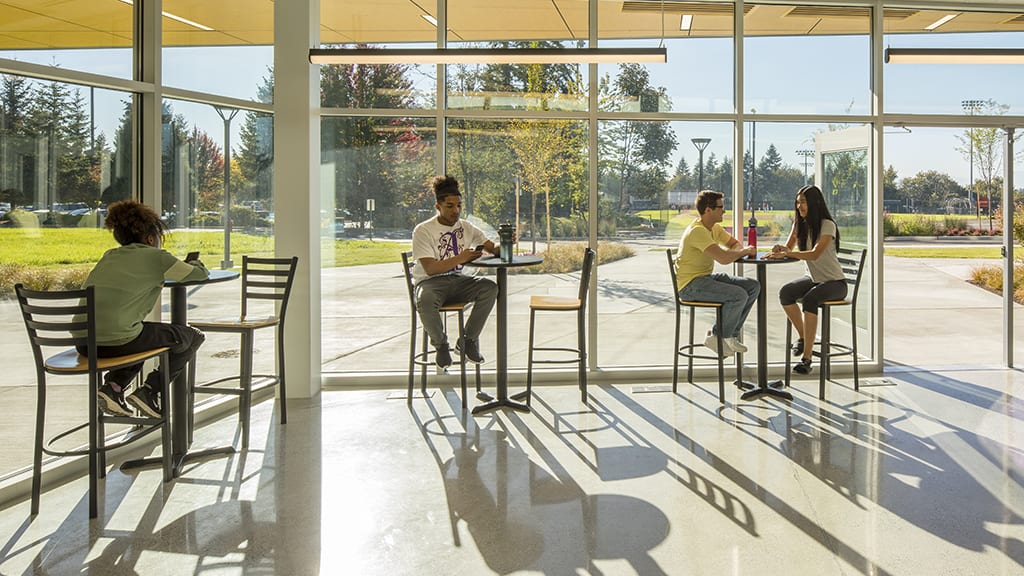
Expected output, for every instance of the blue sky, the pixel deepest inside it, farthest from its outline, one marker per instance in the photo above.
(825, 75)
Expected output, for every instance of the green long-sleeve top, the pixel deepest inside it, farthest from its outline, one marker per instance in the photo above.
(128, 280)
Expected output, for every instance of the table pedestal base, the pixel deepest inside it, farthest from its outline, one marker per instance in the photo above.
(177, 461)
(744, 385)
(501, 404)
(774, 388)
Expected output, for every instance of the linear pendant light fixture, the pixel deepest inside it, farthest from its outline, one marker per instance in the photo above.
(954, 56)
(486, 55)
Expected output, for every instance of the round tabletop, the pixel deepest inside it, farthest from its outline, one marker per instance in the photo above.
(762, 259)
(215, 276)
(496, 262)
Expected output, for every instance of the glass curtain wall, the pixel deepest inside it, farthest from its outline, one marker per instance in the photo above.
(517, 137)
(944, 181)
(373, 174)
(68, 149)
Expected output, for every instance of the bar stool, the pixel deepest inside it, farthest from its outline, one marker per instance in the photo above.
(852, 263)
(68, 318)
(564, 304)
(262, 279)
(688, 350)
(422, 358)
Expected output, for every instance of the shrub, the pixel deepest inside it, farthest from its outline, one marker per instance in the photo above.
(919, 226)
(990, 277)
(36, 278)
(568, 257)
(889, 226)
(951, 222)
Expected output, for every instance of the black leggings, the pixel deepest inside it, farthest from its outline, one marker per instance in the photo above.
(182, 340)
(812, 293)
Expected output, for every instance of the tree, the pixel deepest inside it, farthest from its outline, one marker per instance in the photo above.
(255, 156)
(58, 116)
(630, 149)
(15, 102)
(890, 190)
(983, 147)
(208, 170)
(361, 150)
(539, 147)
(770, 187)
(930, 189)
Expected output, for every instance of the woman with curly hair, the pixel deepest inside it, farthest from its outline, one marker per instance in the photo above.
(814, 239)
(128, 280)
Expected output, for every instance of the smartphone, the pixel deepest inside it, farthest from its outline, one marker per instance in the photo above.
(480, 248)
(192, 257)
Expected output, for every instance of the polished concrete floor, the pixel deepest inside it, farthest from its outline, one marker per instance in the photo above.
(918, 473)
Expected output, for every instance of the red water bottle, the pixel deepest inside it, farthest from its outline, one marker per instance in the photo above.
(752, 230)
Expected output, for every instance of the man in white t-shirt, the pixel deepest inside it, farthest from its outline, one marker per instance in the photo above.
(441, 247)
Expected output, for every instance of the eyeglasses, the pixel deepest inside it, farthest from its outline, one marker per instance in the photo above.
(720, 207)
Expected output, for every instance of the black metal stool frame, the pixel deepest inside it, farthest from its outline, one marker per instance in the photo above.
(56, 319)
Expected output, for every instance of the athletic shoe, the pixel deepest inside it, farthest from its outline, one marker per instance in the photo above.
(711, 342)
(798, 347)
(146, 401)
(443, 356)
(803, 366)
(112, 402)
(471, 349)
(736, 345)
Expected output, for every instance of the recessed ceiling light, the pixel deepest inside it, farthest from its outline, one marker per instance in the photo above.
(177, 18)
(940, 21)
(685, 21)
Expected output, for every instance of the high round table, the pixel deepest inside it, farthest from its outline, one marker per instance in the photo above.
(763, 386)
(180, 404)
(501, 267)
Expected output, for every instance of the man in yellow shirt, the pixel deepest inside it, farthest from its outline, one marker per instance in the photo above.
(703, 243)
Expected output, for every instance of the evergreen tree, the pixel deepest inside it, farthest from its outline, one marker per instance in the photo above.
(58, 117)
(15, 103)
(255, 156)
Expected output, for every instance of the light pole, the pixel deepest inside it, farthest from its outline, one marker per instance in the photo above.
(971, 107)
(701, 144)
(227, 115)
(753, 160)
(806, 154)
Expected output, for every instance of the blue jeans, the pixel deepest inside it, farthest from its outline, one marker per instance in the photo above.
(736, 293)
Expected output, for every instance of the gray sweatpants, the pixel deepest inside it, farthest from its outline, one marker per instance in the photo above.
(436, 291)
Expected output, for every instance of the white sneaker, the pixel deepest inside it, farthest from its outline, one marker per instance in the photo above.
(736, 345)
(711, 342)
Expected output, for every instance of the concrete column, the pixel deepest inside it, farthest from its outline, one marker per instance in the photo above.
(297, 184)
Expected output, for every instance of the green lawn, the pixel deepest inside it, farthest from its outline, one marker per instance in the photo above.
(944, 252)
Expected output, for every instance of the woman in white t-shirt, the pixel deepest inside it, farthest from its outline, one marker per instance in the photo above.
(814, 239)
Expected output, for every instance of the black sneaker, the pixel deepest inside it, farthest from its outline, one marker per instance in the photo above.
(443, 356)
(470, 349)
(112, 402)
(147, 401)
(798, 347)
(803, 366)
